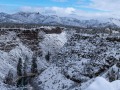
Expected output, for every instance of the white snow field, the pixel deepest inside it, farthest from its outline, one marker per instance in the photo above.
(102, 84)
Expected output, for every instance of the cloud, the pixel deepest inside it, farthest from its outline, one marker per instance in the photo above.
(49, 10)
(99, 8)
(68, 11)
(105, 5)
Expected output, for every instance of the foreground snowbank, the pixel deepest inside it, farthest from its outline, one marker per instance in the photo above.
(102, 84)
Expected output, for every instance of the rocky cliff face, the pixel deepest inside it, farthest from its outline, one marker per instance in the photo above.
(22, 43)
(10, 38)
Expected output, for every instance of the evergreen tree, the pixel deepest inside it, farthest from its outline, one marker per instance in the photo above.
(20, 73)
(19, 67)
(25, 66)
(9, 78)
(25, 79)
(34, 65)
(47, 57)
(24, 69)
(118, 64)
(112, 75)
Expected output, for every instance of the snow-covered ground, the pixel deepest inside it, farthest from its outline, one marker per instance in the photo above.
(77, 60)
(102, 84)
(52, 79)
(53, 42)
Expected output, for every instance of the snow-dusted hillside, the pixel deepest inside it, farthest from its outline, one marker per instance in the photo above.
(73, 59)
(53, 42)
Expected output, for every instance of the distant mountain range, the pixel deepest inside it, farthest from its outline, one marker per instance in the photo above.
(37, 18)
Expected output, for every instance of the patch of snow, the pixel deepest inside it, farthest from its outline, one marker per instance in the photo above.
(116, 22)
(102, 84)
(53, 42)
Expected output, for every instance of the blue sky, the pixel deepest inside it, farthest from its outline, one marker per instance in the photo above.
(47, 3)
(62, 3)
(96, 7)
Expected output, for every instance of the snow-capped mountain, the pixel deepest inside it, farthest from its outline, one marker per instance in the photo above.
(37, 18)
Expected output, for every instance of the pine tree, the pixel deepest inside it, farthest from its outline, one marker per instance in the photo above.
(19, 67)
(9, 78)
(112, 75)
(24, 69)
(20, 72)
(34, 65)
(25, 66)
(47, 57)
(25, 79)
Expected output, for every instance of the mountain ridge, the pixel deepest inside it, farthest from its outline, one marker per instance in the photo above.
(38, 18)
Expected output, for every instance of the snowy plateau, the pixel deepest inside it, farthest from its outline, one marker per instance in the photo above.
(58, 53)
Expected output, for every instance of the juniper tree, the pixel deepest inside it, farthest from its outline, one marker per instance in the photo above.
(19, 67)
(47, 57)
(25, 66)
(113, 75)
(34, 65)
(9, 78)
(20, 72)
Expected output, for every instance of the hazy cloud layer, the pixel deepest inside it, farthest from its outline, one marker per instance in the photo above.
(49, 10)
